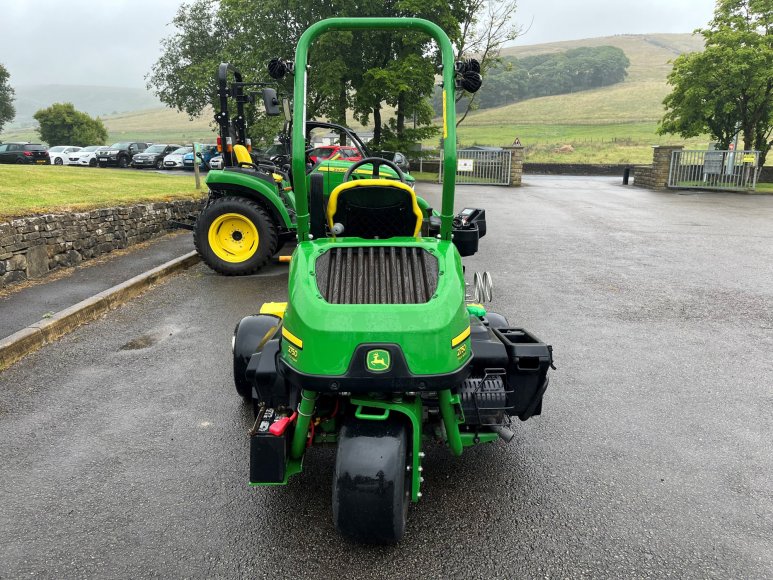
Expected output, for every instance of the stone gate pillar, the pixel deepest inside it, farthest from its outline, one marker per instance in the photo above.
(516, 163)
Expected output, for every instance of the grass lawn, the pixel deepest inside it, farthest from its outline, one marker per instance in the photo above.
(29, 190)
(764, 188)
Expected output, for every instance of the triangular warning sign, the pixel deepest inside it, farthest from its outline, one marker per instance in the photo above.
(517, 142)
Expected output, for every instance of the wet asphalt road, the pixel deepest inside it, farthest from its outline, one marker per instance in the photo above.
(124, 453)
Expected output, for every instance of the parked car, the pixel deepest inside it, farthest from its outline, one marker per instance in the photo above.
(86, 156)
(216, 162)
(175, 159)
(343, 152)
(395, 157)
(29, 153)
(60, 155)
(154, 155)
(120, 154)
(207, 153)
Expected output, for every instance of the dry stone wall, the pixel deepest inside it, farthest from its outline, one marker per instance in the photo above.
(31, 247)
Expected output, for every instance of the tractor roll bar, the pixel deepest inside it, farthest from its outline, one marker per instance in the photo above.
(299, 113)
(239, 122)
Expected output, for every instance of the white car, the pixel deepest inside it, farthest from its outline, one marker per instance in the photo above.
(216, 162)
(175, 159)
(86, 156)
(60, 155)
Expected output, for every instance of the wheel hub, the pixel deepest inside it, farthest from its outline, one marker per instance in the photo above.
(233, 237)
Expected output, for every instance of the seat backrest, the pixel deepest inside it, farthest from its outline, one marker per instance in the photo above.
(242, 155)
(375, 208)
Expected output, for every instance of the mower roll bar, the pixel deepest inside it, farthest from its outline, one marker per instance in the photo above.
(299, 112)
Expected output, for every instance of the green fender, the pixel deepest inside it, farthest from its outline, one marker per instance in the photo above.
(234, 182)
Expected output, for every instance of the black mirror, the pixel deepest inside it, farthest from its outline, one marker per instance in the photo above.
(271, 102)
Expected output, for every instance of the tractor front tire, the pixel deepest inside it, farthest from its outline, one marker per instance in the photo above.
(370, 491)
(235, 236)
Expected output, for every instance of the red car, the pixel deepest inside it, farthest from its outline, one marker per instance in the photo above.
(332, 152)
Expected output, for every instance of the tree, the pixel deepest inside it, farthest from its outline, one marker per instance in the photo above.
(349, 71)
(484, 26)
(61, 124)
(728, 86)
(7, 110)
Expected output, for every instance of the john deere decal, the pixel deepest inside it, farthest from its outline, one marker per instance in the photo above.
(378, 361)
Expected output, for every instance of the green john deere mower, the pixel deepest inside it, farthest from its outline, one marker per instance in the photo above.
(376, 350)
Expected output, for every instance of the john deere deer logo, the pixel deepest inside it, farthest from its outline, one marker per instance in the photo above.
(378, 361)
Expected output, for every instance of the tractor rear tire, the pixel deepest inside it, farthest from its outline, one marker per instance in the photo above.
(250, 334)
(235, 236)
(370, 492)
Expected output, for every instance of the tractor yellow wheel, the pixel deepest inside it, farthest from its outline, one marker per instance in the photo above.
(233, 237)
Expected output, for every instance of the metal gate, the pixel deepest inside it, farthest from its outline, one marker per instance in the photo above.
(480, 166)
(717, 170)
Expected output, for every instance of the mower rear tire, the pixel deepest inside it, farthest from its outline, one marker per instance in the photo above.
(250, 334)
(235, 236)
(496, 320)
(370, 491)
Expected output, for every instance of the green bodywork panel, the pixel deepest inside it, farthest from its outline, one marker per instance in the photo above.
(331, 332)
(239, 183)
(333, 171)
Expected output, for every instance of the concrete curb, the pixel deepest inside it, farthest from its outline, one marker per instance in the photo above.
(21, 343)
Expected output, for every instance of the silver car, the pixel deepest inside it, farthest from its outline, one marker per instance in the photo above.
(85, 157)
(216, 162)
(175, 159)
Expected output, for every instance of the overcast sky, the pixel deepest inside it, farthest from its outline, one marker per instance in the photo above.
(115, 42)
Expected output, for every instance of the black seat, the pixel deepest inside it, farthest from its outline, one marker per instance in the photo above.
(375, 208)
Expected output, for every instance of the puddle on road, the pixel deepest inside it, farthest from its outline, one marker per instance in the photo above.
(149, 339)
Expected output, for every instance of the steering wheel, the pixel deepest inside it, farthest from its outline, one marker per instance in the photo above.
(377, 162)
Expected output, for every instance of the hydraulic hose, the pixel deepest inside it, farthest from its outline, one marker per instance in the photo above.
(305, 411)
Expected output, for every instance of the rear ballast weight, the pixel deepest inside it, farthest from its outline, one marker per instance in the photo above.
(377, 350)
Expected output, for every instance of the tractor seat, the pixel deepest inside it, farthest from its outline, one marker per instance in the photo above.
(374, 208)
(243, 157)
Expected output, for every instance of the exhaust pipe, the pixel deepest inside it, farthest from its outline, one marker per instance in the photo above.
(504, 433)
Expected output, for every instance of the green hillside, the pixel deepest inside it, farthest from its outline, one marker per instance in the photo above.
(614, 124)
(156, 125)
(94, 100)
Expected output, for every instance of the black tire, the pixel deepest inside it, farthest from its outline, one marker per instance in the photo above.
(159, 164)
(19, 161)
(92, 162)
(370, 494)
(496, 320)
(248, 209)
(123, 163)
(58, 161)
(250, 334)
(103, 165)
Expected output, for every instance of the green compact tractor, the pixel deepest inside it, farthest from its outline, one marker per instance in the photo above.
(251, 208)
(376, 350)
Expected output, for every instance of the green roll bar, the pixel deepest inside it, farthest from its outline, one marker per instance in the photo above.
(299, 112)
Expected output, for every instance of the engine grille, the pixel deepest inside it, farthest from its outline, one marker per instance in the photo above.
(377, 275)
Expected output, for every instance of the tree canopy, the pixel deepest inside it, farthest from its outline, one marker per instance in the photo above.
(355, 72)
(728, 86)
(7, 110)
(61, 124)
